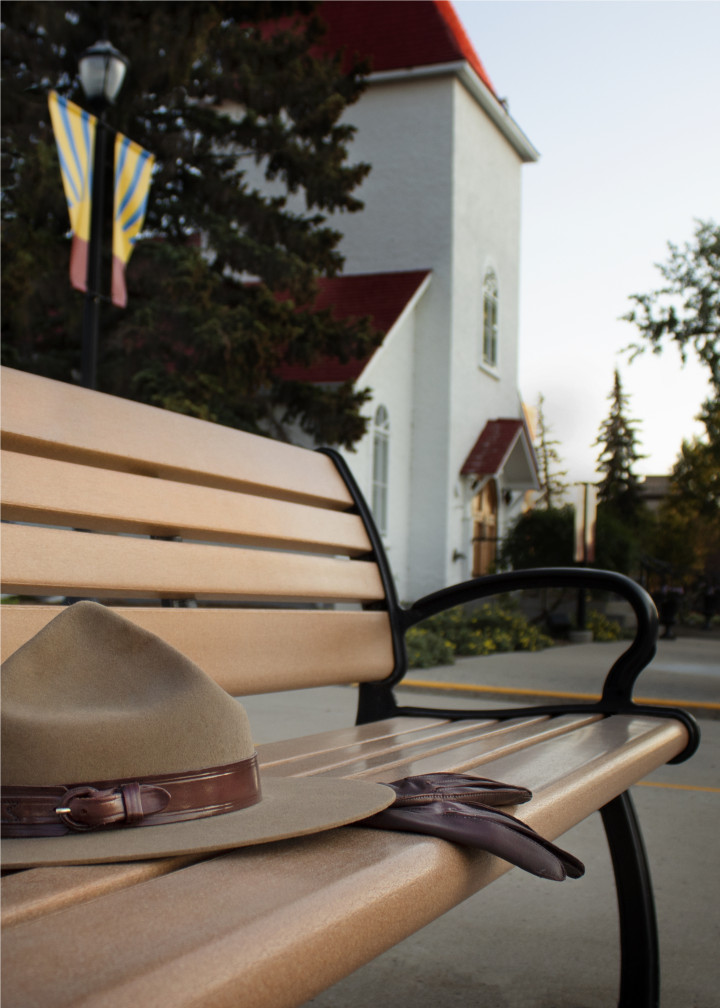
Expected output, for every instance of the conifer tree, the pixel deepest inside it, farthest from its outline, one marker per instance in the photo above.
(551, 477)
(685, 311)
(619, 486)
(221, 290)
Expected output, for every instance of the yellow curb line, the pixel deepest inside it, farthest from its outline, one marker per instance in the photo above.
(678, 787)
(515, 691)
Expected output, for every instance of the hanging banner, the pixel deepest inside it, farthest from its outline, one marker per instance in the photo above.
(74, 131)
(133, 171)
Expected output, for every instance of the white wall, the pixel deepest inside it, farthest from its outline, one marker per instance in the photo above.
(486, 234)
(405, 133)
(404, 130)
(443, 194)
(390, 375)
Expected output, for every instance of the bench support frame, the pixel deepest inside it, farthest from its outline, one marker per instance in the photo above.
(639, 950)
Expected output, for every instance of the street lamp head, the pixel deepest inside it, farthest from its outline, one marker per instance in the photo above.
(102, 71)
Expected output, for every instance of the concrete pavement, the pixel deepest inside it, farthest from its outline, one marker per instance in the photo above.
(526, 943)
(685, 671)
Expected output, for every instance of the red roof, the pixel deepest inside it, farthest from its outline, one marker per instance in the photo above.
(382, 296)
(492, 447)
(399, 34)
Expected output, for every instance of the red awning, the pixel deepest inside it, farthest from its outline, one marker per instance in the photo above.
(504, 446)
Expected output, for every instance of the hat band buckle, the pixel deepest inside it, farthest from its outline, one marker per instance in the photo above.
(87, 808)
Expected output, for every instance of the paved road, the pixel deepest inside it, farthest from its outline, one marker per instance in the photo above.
(685, 670)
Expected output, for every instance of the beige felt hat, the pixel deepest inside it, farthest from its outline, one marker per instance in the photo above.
(116, 747)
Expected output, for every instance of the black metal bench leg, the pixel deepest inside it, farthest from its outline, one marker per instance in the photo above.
(640, 961)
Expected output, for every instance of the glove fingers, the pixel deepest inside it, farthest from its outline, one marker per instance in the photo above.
(486, 828)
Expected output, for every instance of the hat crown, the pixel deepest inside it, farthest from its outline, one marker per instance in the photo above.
(94, 697)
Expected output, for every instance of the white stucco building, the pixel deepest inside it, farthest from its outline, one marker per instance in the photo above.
(434, 257)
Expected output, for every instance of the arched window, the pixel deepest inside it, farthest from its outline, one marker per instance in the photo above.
(490, 319)
(380, 469)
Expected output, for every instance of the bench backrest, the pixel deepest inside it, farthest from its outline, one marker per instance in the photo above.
(111, 499)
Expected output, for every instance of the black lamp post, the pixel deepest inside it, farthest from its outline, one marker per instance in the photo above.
(102, 71)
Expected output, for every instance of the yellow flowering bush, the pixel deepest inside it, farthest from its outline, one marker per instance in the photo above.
(603, 628)
(489, 629)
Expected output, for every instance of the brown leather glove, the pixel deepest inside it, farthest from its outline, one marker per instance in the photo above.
(460, 808)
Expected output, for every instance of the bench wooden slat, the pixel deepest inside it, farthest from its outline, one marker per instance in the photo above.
(280, 758)
(319, 753)
(34, 893)
(463, 746)
(49, 418)
(62, 562)
(46, 491)
(356, 891)
(317, 647)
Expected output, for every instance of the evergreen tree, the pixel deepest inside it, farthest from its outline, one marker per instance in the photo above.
(551, 477)
(619, 486)
(688, 527)
(233, 106)
(540, 538)
(686, 311)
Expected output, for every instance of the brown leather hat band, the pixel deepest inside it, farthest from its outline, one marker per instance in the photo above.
(139, 801)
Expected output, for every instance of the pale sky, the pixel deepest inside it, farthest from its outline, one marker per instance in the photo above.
(622, 99)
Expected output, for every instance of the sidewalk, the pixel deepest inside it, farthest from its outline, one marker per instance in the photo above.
(524, 942)
(685, 671)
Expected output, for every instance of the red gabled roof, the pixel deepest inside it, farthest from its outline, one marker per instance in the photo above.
(382, 296)
(492, 447)
(399, 34)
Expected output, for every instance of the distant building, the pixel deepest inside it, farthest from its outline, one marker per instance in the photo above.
(653, 490)
(434, 258)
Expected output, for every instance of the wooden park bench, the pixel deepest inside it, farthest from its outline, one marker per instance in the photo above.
(260, 561)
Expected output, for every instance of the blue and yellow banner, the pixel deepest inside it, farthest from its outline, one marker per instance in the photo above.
(74, 131)
(133, 171)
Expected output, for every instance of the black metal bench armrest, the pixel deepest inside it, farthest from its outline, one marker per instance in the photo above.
(621, 677)
(616, 697)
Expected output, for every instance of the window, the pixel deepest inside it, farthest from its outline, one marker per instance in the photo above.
(490, 319)
(381, 453)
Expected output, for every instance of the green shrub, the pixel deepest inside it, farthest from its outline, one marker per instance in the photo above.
(603, 628)
(426, 648)
(697, 620)
(488, 629)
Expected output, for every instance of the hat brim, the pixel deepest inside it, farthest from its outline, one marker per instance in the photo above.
(290, 807)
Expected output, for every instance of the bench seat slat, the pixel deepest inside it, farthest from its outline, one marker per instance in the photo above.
(39, 891)
(317, 753)
(63, 562)
(283, 758)
(355, 890)
(45, 491)
(465, 745)
(49, 418)
(310, 648)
